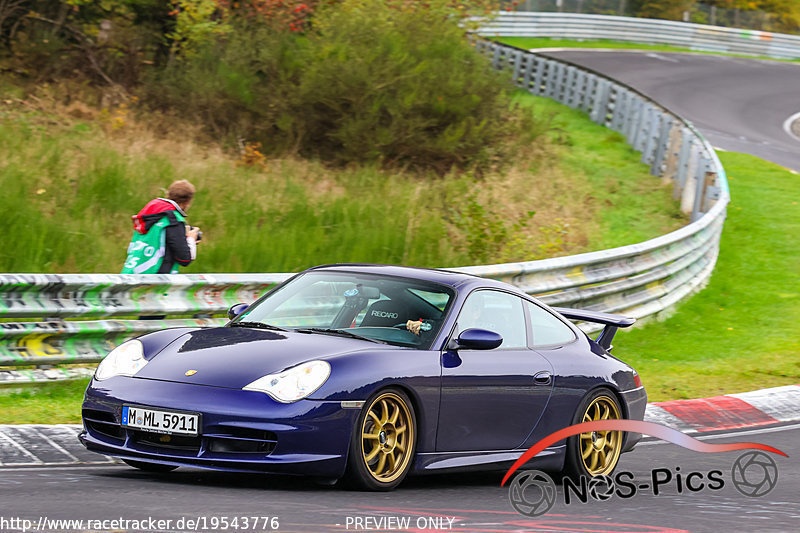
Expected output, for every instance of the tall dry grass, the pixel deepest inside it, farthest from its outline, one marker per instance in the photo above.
(71, 177)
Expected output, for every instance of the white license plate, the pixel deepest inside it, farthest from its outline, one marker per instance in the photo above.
(160, 421)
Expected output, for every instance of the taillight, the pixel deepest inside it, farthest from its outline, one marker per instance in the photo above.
(636, 379)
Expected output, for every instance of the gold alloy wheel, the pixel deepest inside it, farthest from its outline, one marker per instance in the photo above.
(387, 437)
(600, 449)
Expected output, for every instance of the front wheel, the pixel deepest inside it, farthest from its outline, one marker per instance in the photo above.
(383, 443)
(149, 467)
(595, 453)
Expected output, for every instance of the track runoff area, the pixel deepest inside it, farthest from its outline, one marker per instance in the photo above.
(49, 482)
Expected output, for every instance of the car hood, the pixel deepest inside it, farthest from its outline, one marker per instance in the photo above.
(235, 357)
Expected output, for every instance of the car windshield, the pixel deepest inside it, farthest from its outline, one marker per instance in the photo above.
(349, 304)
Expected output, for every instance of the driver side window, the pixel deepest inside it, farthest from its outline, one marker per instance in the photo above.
(495, 311)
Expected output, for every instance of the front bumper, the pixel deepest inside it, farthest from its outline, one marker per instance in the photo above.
(239, 430)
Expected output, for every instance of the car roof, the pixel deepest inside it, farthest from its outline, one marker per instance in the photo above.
(445, 277)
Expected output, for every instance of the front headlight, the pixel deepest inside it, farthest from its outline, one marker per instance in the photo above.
(293, 384)
(124, 360)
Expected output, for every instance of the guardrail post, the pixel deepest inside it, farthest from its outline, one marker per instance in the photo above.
(496, 58)
(712, 190)
(518, 57)
(600, 106)
(642, 127)
(554, 85)
(542, 63)
(702, 184)
(658, 166)
(578, 89)
(634, 118)
(693, 175)
(683, 163)
(672, 155)
(649, 151)
(530, 59)
(589, 92)
(570, 88)
(619, 111)
(563, 84)
(550, 79)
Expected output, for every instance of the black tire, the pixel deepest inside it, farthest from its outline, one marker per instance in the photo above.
(599, 448)
(382, 461)
(149, 467)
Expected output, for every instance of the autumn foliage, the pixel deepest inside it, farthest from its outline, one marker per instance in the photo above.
(393, 82)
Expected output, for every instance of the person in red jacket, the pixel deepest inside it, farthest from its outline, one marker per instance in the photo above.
(162, 241)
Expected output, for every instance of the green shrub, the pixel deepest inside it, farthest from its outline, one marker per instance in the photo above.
(239, 88)
(398, 84)
(394, 82)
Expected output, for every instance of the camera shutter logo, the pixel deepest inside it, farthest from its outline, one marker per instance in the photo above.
(601, 487)
(754, 474)
(532, 493)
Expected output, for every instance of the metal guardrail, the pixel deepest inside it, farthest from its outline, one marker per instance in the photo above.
(700, 37)
(59, 296)
(639, 280)
(104, 295)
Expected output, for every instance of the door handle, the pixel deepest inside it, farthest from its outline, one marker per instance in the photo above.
(542, 378)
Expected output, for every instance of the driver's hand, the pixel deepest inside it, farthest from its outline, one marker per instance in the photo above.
(413, 326)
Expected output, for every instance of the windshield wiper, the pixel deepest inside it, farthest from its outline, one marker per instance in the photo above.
(340, 332)
(259, 325)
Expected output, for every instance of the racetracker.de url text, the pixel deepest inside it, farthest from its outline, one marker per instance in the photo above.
(198, 523)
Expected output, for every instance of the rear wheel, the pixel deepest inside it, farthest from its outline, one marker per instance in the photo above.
(383, 443)
(149, 467)
(595, 453)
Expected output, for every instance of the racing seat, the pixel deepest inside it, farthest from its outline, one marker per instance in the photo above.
(383, 313)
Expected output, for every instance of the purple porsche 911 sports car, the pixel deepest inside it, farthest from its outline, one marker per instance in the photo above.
(368, 373)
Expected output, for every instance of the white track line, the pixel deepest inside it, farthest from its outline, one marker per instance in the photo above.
(54, 466)
(21, 448)
(787, 126)
(729, 435)
(54, 444)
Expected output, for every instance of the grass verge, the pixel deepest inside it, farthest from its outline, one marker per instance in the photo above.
(528, 43)
(547, 42)
(741, 332)
(71, 179)
(48, 403)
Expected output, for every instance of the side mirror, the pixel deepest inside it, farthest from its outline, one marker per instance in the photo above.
(478, 339)
(236, 310)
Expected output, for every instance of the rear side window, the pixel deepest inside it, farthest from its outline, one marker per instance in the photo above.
(547, 329)
(495, 311)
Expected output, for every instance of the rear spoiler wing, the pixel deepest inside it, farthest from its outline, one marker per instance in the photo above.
(611, 323)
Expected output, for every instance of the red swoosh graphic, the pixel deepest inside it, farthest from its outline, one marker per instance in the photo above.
(637, 426)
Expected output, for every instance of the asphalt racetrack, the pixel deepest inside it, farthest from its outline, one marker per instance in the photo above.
(450, 502)
(738, 104)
